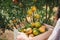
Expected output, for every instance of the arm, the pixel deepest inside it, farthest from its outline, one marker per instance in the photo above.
(55, 31)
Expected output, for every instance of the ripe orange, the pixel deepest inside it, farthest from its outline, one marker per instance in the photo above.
(33, 8)
(29, 30)
(42, 29)
(37, 16)
(32, 24)
(37, 24)
(29, 12)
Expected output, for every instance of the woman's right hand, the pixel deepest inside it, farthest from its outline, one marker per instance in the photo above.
(49, 26)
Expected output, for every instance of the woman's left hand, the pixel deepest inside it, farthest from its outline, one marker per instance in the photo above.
(22, 36)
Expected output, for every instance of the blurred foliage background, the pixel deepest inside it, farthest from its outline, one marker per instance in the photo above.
(12, 12)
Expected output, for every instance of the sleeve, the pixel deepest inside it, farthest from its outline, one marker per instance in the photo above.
(15, 33)
(55, 31)
(58, 35)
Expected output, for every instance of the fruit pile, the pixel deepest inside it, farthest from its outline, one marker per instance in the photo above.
(34, 27)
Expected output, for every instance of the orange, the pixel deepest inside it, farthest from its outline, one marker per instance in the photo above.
(32, 24)
(37, 16)
(29, 30)
(29, 12)
(37, 24)
(33, 8)
(35, 31)
(42, 29)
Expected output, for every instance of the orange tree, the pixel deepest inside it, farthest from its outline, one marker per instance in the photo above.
(14, 11)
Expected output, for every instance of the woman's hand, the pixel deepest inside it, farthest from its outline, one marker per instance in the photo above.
(49, 26)
(22, 36)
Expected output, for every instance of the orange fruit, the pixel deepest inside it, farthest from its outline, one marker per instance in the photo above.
(37, 16)
(35, 31)
(42, 29)
(37, 24)
(32, 24)
(29, 12)
(29, 30)
(33, 8)
(24, 30)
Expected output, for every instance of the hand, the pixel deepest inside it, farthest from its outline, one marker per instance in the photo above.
(22, 36)
(49, 26)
